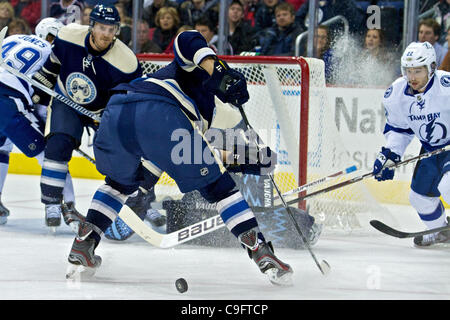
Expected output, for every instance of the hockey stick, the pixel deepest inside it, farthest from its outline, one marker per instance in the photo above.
(39, 85)
(380, 226)
(85, 155)
(168, 240)
(358, 178)
(318, 181)
(323, 266)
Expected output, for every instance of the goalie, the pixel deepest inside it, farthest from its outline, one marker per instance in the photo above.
(147, 118)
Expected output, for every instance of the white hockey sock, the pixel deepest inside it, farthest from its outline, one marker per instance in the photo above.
(68, 192)
(3, 173)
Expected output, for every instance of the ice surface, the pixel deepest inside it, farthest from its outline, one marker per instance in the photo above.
(364, 264)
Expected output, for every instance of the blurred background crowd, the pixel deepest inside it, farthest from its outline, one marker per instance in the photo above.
(353, 53)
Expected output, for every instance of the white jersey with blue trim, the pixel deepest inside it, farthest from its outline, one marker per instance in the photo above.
(425, 115)
(27, 54)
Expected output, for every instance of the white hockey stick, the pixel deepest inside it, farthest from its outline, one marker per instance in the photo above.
(318, 181)
(168, 240)
(39, 85)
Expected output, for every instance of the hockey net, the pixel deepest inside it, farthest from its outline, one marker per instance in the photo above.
(288, 107)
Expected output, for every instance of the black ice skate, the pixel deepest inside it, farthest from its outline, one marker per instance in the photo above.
(71, 216)
(53, 215)
(4, 213)
(428, 240)
(278, 272)
(82, 259)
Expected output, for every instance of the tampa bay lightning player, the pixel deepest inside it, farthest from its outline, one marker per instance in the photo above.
(85, 63)
(142, 119)
(22, 122)
(418, 105)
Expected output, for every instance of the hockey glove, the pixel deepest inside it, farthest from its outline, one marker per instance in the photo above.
(252, 161)
(385, 158)
(227, 84)
(47, 79)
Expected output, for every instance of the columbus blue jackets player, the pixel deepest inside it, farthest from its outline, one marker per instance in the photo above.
(22, 123)
(139, 122)
(418, 105)
(85, 63)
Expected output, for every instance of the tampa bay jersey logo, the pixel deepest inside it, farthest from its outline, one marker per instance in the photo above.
(433, 132)
(80, 88)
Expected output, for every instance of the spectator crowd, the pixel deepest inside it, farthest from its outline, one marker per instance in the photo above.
(265, 27)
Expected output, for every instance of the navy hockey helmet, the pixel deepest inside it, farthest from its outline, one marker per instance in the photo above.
(106, 15)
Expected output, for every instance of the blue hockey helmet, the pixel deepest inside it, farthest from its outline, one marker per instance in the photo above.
(106, 15)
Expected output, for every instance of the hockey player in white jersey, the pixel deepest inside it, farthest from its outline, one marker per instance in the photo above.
(21, 122)
(417, 104)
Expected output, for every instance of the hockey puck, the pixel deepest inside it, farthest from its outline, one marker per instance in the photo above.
(181, 285)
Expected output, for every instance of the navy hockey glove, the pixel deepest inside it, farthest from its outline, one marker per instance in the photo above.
(253, 162)
(227, 84)
(385, 158)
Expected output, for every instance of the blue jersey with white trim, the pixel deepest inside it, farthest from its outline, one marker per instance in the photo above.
(182, 79)
(27, 54)
(425, 115)
(84, 75)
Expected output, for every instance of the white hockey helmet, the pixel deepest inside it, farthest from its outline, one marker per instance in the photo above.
(418, 54)
(48, 26)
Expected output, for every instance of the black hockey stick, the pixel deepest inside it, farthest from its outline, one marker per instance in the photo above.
(323, 266)
(39, 85)
(357, 179)
(380, 226)
(85, 155)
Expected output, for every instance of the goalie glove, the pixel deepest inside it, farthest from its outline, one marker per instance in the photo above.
(227, 84)
(385, 158)
(249, 160)
(47, 79)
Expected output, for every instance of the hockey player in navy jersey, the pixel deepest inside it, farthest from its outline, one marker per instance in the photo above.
(85, 63)
(141, 120)
(21, 122)
(418, 105)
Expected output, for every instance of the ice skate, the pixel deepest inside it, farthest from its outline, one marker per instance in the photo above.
(428, 240)
(53, 216)
(83, 261)
(4, 213)
(71, 216)
(278, 272)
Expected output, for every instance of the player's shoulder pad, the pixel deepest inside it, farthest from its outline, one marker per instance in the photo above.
(443, 78)
(122, 57)
(74, 33)
(396, 88)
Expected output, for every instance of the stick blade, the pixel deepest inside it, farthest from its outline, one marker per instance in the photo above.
(380, 226)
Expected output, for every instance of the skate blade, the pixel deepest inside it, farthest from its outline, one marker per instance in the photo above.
(52, 229)
(284, 279)
(79, 273)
